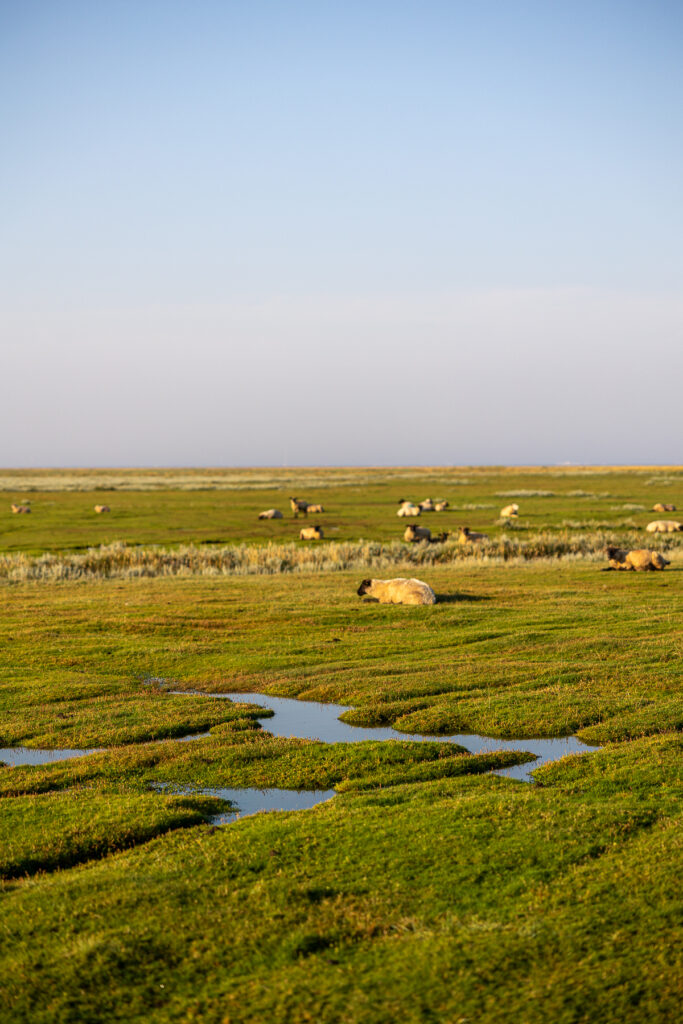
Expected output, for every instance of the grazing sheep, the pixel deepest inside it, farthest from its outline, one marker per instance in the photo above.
(664, 526)
(640, 560)
(660, 507)
(20, 509)
(102, 508)
(467, 536)
(398, 591)
(311, 533)
(314, 509)
(440, 506)
(408, 509)
(298, 505)
(510, 511)
(427, 505)
(417, 533)
(270, 513)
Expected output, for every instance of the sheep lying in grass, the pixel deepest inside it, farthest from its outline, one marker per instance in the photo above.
(510, 511)
(311, 533)
(467, 536)
(640, 560)
(660, 507)
(427, 505)
(298, 505)
(398, 591)
(664, 526)
(440, 506)
(270, 513)
(20, 509)
(413, 534)
(408, 509)
(102, 508)
(314, 509)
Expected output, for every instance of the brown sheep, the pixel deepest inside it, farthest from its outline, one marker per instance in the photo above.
(660, 507)
(298, 505)
(398, 591)
(102, 508)
(311, 533)
(20, 509)
(664, 526)
(467, 536)
(640, 560)
(270, 513)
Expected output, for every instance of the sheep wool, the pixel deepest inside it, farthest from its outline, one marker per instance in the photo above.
(664, 526)
(270, 513)
(311, 533)
(416, 533)
(661, 507)
(639, 560)
(102, 508)
(398, 591)
(510, 511)
(467, 536)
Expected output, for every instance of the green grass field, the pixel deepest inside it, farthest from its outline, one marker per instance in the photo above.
(427, 890)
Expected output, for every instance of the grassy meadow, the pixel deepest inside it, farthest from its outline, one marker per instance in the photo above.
(428, 889)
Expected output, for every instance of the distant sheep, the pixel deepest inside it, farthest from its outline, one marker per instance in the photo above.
(440, 506)
(270, 513)
(298, 505)
(510, 511)
(467, 536)
(398, 591)
(640, 560)
(664, 526)
(20, 509)
(660, 507)
(413, 534)
(311, 533)
(427, 505)
(408, 509)
(102, 508)
(314, 509)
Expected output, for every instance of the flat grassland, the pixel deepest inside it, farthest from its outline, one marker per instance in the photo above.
(427, 889)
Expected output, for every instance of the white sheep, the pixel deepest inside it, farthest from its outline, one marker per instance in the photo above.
(314, 509)
(640, 560)
(510, 511)
(298, 505)
(20, 509)
(102, 508)
(427, 505)
(661, 507)
(440, 506)
(398, 591)
(270, 513)
(664, 526)
(467, 536)
(408, 509)
(416, 533)
(311, 533)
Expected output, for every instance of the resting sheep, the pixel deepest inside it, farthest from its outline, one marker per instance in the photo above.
(413, 534)
(270, 513)
(660, 507)
(427, 505)
(467, 536)
(440, 506)
(664, 526)
(640, 560)
(102, 508)
(20, 509)
(398, 591)
(314, 508)
(311, 533)
(510, 511)
(408, 509)
(298, 505)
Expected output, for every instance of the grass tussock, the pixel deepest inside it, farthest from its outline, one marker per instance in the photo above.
(123, 561)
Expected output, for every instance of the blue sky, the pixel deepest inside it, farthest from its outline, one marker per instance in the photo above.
(378, 232)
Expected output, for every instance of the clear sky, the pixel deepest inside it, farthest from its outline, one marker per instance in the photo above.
(374, 232)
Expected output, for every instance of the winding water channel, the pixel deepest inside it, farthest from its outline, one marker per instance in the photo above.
(315, 721)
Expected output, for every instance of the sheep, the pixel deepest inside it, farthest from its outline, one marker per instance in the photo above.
(408, 509)
(315, 509)
(102, 508)
(440, 506)
(398, 591)
(417, 533)
(510, 511)
(20, 509)
(660, 507)
(311, 533)
(270, 513)
(640, 560)
(427, 505)
(664, 526)
(298, 505)
(467, 536)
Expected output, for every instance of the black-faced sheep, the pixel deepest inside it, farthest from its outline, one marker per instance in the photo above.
(639, 560)
(413, 534)
(510, 511)
(20, 509)
(467, 536)
(664, 526)
(440, 506)
(102, 508)
(298, 505)
(398, 591)
(427, 505)
(661, 507)
(311, 533)
(408, 509)
(270, 513)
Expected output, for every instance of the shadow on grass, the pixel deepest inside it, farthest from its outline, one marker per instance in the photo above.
(460, 596)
